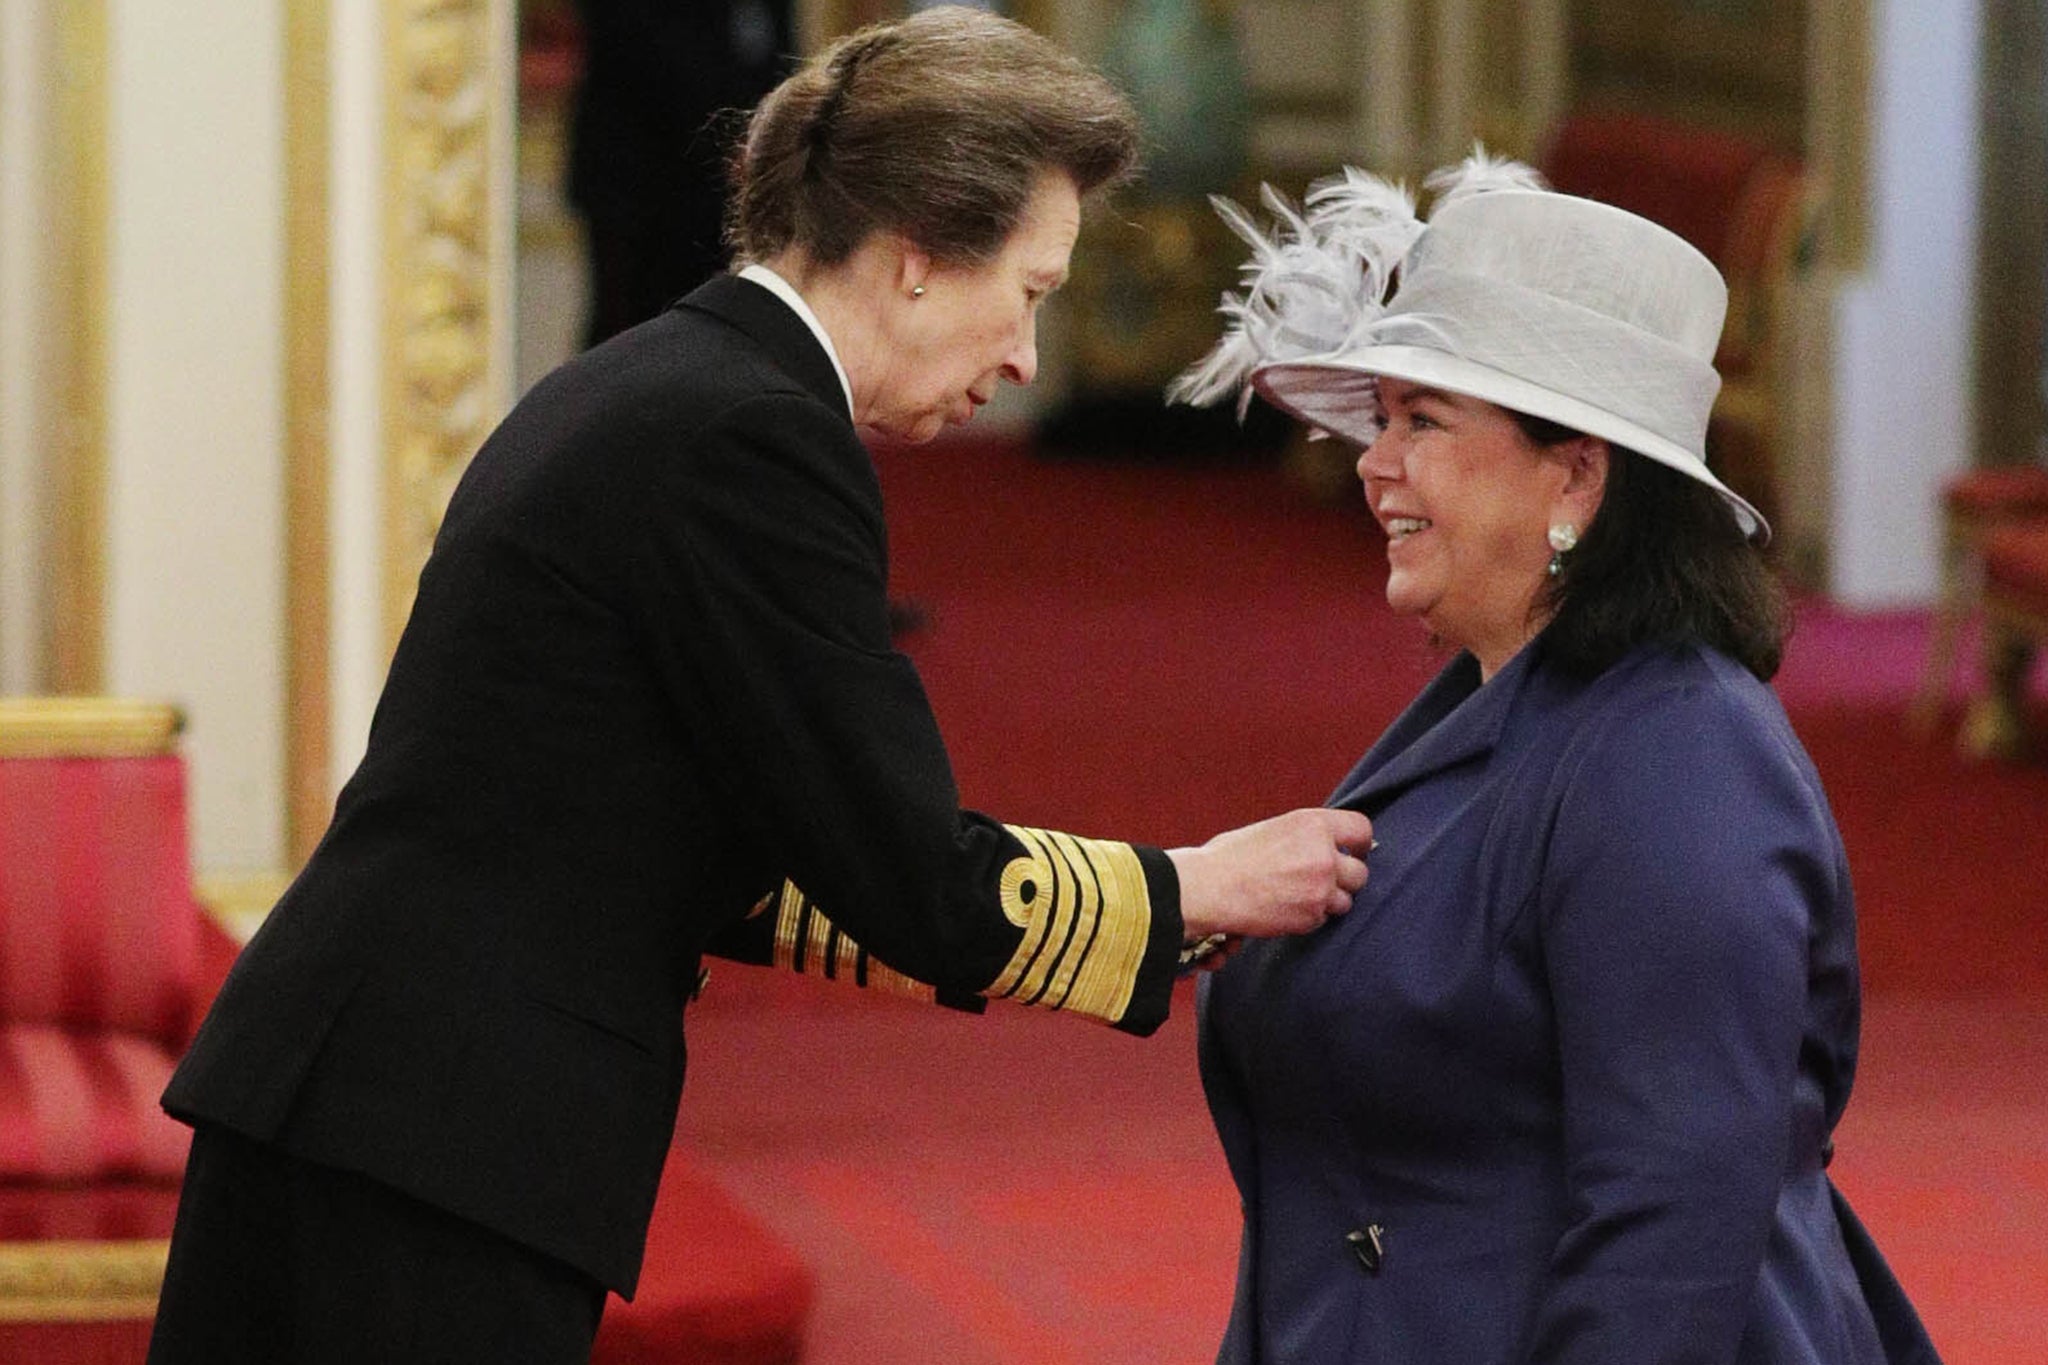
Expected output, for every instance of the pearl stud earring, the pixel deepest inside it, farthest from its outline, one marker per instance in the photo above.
(1563, 537)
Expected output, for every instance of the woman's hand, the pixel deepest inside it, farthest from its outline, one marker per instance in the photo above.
(1280, 876)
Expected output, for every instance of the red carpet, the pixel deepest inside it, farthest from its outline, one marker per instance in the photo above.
(1950, 857)
(1159, 653)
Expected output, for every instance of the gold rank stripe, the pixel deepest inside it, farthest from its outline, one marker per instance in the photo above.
(878, 977)
(818, 950)
(851, 958)
(1086, 912)
(789, 914)
(1074, 934)
(806, 941)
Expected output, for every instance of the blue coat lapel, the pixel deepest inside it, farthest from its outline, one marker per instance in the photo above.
(1454, 721)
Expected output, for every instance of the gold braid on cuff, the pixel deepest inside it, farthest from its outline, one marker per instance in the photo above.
(1084, 907)
(1086, 913)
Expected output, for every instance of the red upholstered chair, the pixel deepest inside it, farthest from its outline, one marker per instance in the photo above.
(106, 965)
(1745, 206)
(2015, 570)
(1974, 504)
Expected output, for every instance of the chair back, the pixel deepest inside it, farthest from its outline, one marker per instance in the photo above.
(99, 929)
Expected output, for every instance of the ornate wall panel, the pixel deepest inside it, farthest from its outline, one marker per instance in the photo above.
(447, 135)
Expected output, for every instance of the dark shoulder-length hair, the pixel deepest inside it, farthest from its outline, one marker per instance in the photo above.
(936, 126)
(1664, 560)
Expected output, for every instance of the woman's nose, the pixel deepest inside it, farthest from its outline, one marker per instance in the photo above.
(1378, 460)
(1020, 367)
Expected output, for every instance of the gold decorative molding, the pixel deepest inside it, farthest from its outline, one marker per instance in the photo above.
(308, 581)
(240, 901)
(444, 107)
(86, 727)
(80, 1281)
(1838, 126)
(74, 643)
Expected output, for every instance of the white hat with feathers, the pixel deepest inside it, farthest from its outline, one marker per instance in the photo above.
(1547, 304)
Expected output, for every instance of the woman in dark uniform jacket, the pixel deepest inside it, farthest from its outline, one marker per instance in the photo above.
(1561, 1089)
(646, 691)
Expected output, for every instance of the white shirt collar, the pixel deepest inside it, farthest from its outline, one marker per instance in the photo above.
(784, 290)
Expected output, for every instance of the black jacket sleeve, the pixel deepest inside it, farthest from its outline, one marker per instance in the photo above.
(765, 533)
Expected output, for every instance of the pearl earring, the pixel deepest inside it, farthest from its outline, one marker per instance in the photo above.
(917, 291)
(1563, 537)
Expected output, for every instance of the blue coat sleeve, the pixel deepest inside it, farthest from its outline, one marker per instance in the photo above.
(1688, 852)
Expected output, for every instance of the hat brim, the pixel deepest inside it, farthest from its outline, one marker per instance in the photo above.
(1329, 392)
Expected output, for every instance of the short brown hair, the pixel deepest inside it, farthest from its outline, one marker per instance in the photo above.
(937, 127)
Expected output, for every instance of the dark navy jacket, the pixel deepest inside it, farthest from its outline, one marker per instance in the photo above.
(1560, 1088)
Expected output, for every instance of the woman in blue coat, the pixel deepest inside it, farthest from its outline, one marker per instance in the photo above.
(1561, 1088)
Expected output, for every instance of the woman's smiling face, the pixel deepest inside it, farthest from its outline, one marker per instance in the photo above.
(1466, 500)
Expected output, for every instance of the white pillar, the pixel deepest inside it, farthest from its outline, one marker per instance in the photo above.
(194, 453)
(355, 423)
(1904, 379)
(26, 61)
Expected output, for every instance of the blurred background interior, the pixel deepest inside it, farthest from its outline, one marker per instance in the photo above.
(270, 271)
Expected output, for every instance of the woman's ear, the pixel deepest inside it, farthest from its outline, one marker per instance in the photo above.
(913, 267)
(1586, 459)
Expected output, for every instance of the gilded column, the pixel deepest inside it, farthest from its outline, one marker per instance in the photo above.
(308, 797)
(75, 643)
(447, 168)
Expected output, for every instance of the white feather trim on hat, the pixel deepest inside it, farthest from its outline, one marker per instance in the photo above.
(1321, 275)
(1479, 173)
(1312, 280)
